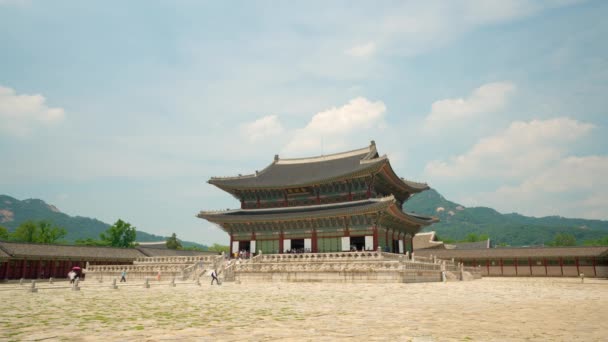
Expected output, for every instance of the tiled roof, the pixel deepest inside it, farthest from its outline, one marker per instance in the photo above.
(154, 244)
(317, 211)
(153, 252)
(3, 254)
(469, 245)
(34, 250)
(283, 173)
(426, 240)
(516, 252)
(297, 172)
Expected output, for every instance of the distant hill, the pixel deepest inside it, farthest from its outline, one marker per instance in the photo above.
(512, 229)
(13, 212)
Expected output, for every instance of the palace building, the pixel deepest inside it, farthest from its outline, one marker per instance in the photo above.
(340, 202)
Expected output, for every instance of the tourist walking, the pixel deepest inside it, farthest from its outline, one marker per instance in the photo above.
(72, 276)
(214, 277)
(123, 276)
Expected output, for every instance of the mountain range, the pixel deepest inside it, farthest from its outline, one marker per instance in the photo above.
(457, 221)
(13, 212)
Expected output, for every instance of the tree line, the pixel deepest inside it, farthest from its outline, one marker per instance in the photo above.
(559, 240)
(120, 234)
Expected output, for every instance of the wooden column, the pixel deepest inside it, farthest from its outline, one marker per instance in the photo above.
(315, 247)
(488, 266)
(350, 192)
(230, 248)
(386, 240)
(346, 230)
(594, 271)
(393, 242)
(7, 271)
(501, 268)
(561, 265)
(530, 264)
(23, 263)
(515, 263)
(281, 237)
(578, 272)
(545, 263)
(52, 266)
(412, 243)
(375, 237)
(39, 269)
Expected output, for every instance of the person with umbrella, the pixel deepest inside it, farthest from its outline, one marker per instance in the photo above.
(72, 276)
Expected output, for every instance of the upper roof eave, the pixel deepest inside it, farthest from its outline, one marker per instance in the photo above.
(366, 161)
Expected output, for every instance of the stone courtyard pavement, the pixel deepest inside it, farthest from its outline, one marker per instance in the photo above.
(492, 309)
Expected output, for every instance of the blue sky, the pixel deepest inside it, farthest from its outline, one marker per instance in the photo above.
(121, 109)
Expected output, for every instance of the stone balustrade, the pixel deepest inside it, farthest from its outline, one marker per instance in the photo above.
(175, 259)
(319, 257)
(136, 268)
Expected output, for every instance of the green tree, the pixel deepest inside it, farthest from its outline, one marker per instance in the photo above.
(472, 237)
(599, 242)
(563, 240)
(120, 234)
(26, 232)
(173, 242)
(3, 233)
(90, 242)
(219, 248)
(48, 234)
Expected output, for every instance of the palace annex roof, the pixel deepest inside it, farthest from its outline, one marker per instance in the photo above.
(315, 170)
(386, 204)
(517, 252)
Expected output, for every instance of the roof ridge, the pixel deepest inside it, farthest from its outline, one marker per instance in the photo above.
(325, 157)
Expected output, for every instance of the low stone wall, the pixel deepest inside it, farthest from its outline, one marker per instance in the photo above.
(347, 267)
(549, 271)
(388, 276)
(178, 267)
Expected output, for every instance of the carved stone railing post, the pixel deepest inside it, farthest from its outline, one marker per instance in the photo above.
(33, 288)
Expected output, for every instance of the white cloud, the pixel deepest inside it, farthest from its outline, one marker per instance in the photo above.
(362, 50)
(263, 128)
(488, 98)
(22, 113)
(521, 149)
(331, 130)
(572, 186)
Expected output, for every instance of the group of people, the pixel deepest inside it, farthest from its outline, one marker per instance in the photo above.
(73, 276)
(244, 254)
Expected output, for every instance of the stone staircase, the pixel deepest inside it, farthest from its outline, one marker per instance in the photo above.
(173, 267)
(349, 267)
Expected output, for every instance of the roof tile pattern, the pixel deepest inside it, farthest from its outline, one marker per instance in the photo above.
(33, 250)
(516, 252)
